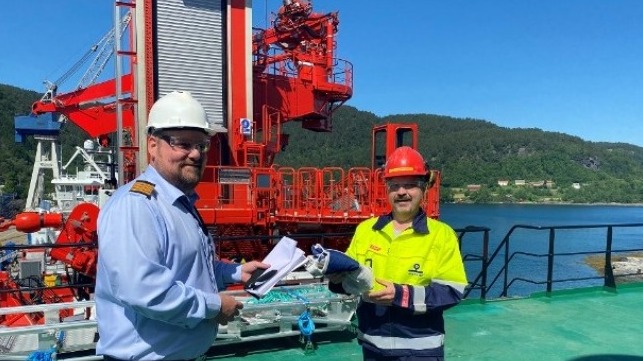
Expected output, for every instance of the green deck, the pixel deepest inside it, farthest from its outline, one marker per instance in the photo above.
(581, 325)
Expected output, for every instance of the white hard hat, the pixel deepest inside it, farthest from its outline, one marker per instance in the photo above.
(178, 110)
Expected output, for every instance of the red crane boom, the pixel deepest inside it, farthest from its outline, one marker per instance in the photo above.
(295, 76)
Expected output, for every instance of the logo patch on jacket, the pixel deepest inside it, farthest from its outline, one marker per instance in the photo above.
(415, 270)
(143, 187)
(375, 248)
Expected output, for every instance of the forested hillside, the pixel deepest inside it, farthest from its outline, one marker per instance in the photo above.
(470, 151)
(16, 159)
(467, 151)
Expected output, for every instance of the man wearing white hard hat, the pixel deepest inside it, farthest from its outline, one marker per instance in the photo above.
(158, 277)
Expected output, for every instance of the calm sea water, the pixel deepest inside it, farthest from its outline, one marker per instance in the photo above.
(501, 217)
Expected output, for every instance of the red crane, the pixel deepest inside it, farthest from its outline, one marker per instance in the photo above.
(295, 76)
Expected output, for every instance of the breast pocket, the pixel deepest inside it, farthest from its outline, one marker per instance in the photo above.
(185, 248)
(409, 269)
(373, 257)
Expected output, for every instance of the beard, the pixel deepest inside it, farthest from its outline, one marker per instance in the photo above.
(189, 176)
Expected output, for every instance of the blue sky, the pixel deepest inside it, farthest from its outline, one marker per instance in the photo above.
(570, 66)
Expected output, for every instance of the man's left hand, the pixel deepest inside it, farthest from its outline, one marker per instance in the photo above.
(249, 267)
(384, 296)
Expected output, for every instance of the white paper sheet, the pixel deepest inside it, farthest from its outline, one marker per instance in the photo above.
(283, 258)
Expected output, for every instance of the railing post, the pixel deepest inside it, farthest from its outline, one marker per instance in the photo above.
(506, 268)
(550, 260)
(609, 272)
(485, 264)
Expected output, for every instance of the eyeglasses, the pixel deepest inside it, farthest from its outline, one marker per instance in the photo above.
(395, 186)
(184, 146)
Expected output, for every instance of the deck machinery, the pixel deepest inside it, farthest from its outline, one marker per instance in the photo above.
(251, 81)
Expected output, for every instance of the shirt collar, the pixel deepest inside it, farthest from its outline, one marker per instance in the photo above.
(419, 222)
(167, 190)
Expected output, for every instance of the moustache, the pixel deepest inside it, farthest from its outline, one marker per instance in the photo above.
(193, 164)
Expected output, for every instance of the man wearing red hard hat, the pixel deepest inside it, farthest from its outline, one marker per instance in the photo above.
(417, 267)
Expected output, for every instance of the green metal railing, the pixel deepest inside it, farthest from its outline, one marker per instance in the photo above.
(506, 257)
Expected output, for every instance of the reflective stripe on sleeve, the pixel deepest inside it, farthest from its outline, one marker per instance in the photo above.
(419, 301)
(398, 343)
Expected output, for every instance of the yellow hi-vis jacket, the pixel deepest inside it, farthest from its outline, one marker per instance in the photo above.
(425, 264)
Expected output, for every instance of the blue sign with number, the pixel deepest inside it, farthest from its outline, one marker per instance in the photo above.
(246, 126)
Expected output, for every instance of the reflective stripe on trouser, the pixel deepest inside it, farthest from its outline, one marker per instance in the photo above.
(393, 343)
(374, 356)
(109, 358)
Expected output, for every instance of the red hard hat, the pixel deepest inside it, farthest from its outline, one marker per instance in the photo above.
(405, 161)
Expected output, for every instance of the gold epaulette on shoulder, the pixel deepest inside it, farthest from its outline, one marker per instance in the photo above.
(143, 187)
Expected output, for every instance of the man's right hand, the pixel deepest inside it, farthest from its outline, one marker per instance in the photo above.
(229, 309)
